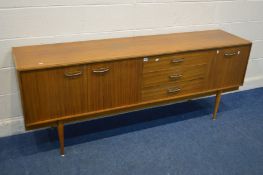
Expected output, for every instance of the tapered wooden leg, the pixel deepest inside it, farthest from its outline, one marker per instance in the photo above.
(218, 97)
(61, 137)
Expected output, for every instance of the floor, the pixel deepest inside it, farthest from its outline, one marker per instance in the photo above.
(178, 139)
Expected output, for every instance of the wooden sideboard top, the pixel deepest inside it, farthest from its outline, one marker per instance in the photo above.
(63, 54)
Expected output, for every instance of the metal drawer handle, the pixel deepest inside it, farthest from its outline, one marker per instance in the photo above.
(176, 76)
(173, 90)
(178, 60)
(232, 54)
(67, 74)
(100, 70)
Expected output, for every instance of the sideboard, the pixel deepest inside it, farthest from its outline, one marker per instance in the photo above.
(67, 82)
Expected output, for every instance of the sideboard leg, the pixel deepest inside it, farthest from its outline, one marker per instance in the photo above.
(218, 97)
(61, 137)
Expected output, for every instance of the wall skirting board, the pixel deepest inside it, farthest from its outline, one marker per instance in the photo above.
(252, 83)
(15, 125)
(11, 126)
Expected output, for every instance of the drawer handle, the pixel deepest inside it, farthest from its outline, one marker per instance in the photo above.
(178, 60)
(173, 90)
(73, 74)
(232, 54)
(175, 77)
(100, 70)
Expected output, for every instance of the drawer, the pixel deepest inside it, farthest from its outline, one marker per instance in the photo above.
(179, 74)
(157, 63)
(172, 89)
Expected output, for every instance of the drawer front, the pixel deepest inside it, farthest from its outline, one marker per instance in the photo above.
(175, 75)
(157, 63)
(53, 93)
(179, 74)
(172, 89)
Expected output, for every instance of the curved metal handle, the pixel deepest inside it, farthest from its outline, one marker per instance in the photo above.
(176, 76)
(100, 70)
(178, 60)
(68, 74)
(173, 90)
(231, 54)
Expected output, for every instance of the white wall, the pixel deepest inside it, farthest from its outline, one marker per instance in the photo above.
(27, 22)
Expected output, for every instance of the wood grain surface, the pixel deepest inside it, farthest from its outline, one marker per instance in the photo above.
(64, 54)
(84, 80)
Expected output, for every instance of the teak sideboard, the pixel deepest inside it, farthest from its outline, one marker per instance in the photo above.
(65, 82)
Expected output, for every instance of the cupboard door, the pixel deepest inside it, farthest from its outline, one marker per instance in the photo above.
(229, 67)
(114, 84)
(53, 93)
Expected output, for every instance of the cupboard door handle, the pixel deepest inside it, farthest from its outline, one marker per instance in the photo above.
(100, 70)
(176, 76)
(173, 90)
(73, 74)
(178, 60)
(232, 54)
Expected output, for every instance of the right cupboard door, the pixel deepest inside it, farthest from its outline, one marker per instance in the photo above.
(229, 67)
(114, 84)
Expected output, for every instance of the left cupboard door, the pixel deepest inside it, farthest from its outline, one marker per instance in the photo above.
(53, 93)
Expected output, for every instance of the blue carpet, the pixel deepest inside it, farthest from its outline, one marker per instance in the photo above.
(178, 139)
